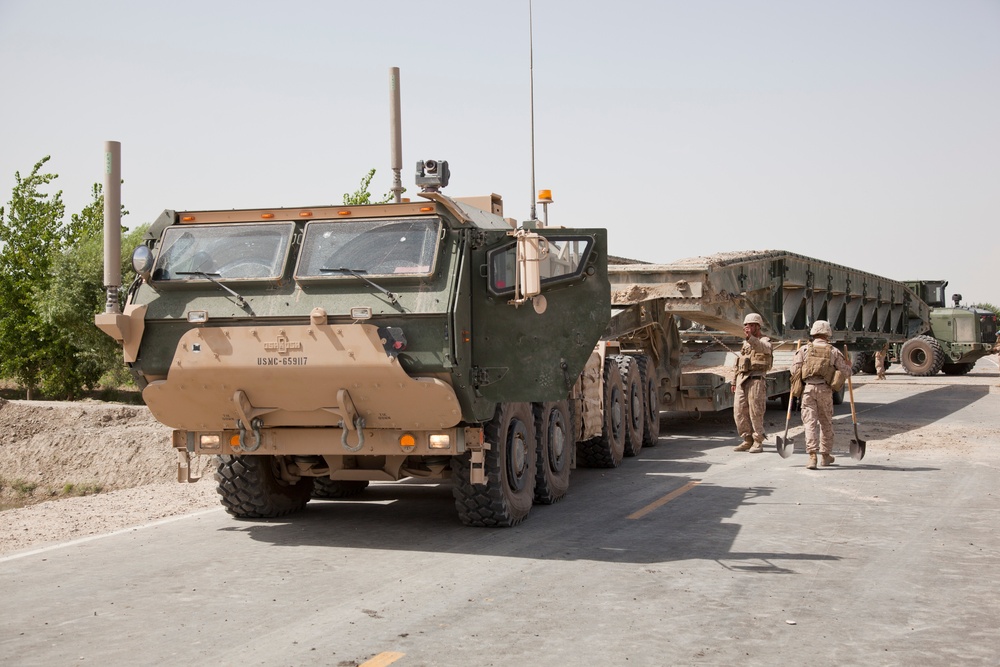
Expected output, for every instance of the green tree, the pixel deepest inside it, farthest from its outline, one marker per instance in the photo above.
(75, 293)
(31, 233)
(362, 196)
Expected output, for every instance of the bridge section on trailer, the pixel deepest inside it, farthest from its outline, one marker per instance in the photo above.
(789, 291)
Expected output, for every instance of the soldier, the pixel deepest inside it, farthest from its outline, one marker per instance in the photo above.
(750, 385)
(823, 369)
(880, 360)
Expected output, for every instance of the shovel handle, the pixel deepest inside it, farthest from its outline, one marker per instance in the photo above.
(850, 389)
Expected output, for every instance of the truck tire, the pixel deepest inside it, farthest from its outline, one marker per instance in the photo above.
(326, 488)
(251, 488)
(509, 467)
(861, 362)
(554, 429)
(957, 369)
(838, 397)
(635, 406)
(607, 450)
(651, 427)
(921, 355)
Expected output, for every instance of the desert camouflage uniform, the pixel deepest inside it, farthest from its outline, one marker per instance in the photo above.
(750, 400)
(817, 398)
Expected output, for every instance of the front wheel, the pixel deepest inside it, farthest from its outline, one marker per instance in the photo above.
(251, 487)
(509, 466)
(957, 369)
(921, 356)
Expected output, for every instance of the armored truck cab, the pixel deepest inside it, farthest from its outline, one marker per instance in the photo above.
(316, 349)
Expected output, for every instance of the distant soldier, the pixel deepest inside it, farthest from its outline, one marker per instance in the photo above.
(880, 360)
(823, 369)
(750, 385)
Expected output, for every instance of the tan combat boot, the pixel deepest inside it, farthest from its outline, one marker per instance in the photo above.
(827, 459)
(812, 461)
(747, 444)
(757, 448)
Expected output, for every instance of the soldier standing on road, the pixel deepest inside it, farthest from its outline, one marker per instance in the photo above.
(823, 369)
(750, 385)
(880, 360)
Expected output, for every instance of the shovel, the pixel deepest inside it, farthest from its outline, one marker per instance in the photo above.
(785, 445)
(857, 444)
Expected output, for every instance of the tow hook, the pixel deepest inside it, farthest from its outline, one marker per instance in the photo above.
(359, 426)
(255, 425)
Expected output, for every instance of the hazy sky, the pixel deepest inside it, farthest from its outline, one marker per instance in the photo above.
(865, 133)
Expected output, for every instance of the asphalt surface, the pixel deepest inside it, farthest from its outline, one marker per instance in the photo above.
(689, 554)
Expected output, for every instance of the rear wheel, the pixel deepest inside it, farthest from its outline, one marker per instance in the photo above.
(861, 362)
(607, 450)
(251, 487)
(509, 467)
(554, 428)
(921, 356)
(651, 415)
(957, 369)
(324, 487)
(635, 409)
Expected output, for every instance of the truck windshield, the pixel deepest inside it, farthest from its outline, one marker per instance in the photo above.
(396, 248)
(223, 251)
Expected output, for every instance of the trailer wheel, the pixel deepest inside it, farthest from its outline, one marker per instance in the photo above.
(957, 369)
(921, 355)
(554, 428)
(607, 450)
(861, 362)
(251, 487)
(509, 466)
(651, 415)
(326, 488)
(635, 408)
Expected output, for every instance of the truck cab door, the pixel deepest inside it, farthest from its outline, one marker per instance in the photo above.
(533, 349)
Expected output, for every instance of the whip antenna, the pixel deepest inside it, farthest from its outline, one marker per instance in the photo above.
(531, 95)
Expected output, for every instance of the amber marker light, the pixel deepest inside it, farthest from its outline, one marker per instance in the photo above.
(234, 441)
(426, 209)
(187, 218)
(407, 442)
(343, 212)
(267, 216)
(305, 214)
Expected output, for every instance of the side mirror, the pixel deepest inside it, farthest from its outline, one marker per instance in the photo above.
(142, 261)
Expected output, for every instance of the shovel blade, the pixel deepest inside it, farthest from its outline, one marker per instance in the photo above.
(858, 449)
(785, 446)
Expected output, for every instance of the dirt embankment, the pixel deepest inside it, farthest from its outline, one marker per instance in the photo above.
(53, 450)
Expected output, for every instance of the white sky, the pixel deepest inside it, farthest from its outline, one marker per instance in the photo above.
(862, 132)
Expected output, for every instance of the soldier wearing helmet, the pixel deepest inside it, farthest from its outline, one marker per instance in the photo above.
(750, 386)
(823, 370)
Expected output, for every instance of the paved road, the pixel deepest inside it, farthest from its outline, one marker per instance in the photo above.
(688, 554)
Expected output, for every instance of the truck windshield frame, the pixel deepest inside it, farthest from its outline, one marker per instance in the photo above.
(231, 252)
(383, 248)
(564, 259)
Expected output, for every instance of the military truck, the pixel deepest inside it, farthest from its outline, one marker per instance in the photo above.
(313, 350)
(956, 338)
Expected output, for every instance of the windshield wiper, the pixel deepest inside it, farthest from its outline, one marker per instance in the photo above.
(208, 276)
(357, 274)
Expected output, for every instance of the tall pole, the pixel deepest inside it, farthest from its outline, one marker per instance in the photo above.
(112, 223)
(531, 92)
(395, 135)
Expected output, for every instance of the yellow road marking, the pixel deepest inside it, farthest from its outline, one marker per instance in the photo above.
(664, 500)
(383, 659)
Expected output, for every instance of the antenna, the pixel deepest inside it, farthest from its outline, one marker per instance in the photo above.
(531, 95)
(395, 135)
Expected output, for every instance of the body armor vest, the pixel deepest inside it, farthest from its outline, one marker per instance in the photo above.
(753, 362)
(818, 362)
